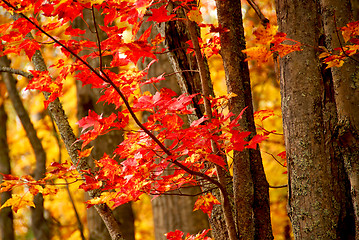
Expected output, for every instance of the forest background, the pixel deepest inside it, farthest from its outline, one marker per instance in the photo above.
(65, 211)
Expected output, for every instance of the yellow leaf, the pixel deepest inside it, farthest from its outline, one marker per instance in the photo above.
(261, 54)
(85, 153)
(50, 190)
(265, 35)
(335, 63)
(17, 202)
(35, 189)
(195, 16)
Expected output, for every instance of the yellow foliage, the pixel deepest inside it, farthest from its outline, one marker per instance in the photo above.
(17, 202)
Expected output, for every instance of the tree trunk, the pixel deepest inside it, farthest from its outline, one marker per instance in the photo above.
(6, 215)
(87, 100)
(171, 212)
(346, 93)
(251, 189)
(319, 198)
(40, 225)
(186, 68)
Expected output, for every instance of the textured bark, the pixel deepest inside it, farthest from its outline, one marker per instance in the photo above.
(87, 100)
(319, 201)
(73, 146)
(176, 34)
(346, 89)
(251, 190)
(171, 212)
(40, 226)
(6, 215)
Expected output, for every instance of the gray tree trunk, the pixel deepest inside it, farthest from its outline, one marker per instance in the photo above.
(319, 201)
(251, 189)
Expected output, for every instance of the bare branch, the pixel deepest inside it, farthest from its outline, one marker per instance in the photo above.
(16, 71)
(280, 186)
(263, 19)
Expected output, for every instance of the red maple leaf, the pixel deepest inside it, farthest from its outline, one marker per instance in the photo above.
(160, 15)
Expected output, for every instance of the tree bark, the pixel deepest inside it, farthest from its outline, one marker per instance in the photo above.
(6, 215)
(171, 212)
(72, 147)
(251, 189)
(40, 225)
(346, 93)
(319, 198)
(177, 34)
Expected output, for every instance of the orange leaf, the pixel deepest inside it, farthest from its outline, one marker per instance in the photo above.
(261, 54)
(284, 49)
(205, 203)
(17, 202)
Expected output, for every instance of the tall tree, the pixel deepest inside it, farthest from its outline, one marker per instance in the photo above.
(320, 123)
(40, 225)
(206, 145)
(251, 189)
(6, 214)
(171, 212)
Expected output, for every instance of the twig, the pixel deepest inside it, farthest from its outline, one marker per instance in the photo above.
(173, 73)
(275, 159)
(280, 186)
(98, 39)
(263, 19)
(16, 71)
(340, 42)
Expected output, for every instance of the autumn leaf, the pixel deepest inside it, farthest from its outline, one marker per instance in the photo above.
(266, 35)
(263, 114)
(350, 30)
(195, 15)
(90, 183)
(261, 54)
(17, 202)
(160, 15)
(255, 140)
(285, 49)
(73, 32)
(176, 235)
(30, 46)
(43, 82)
(85, 153)
(205, 203)
(282, 155)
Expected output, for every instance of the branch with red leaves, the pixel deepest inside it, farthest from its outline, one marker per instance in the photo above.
(103, 76)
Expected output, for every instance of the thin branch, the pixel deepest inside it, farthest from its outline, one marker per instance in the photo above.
(79, 222)
(16, 71)
(263, 19)
(205, 81)
(98, 38)
(182, 194)
(275, 159)
(280, 186)
(340, 42)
